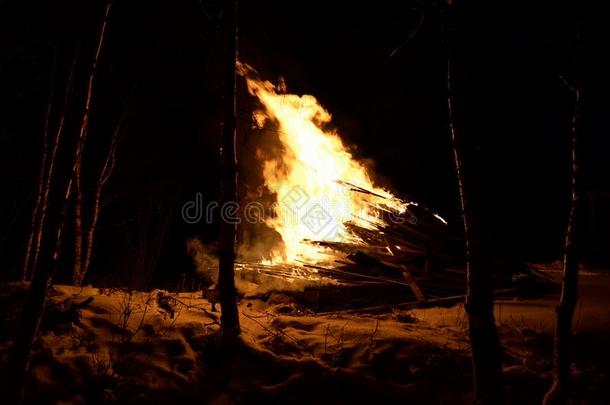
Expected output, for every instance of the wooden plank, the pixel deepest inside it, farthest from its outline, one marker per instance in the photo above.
(412, 284)
(385, 280)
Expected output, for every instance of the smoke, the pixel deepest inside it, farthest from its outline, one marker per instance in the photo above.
(204, 258)
(206, 261)
(268, 283)
(258, 242)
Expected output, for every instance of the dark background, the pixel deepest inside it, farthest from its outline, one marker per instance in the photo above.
(162, 63)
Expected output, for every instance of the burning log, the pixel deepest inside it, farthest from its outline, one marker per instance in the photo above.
(344, 272)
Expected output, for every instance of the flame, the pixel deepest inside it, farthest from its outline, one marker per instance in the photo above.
(315, 178)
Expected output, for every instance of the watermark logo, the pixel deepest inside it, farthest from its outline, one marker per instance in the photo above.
(295, 199)
(323, 218)
(192, 211)
(316, 219)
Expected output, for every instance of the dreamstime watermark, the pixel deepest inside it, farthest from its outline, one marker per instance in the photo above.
(323, 217)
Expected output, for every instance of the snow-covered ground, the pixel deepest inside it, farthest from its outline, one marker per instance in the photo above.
(129, 347)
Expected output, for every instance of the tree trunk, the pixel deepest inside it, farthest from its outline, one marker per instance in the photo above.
(484, 342)
(104, 175)
(39, 191)
(32, 310)
(559, 391)
(228, 231)
(36, 297)
(78, 232)
(31, 256)
(77, 274)
(29, 322)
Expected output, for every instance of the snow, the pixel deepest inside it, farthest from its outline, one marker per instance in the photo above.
(129, 348)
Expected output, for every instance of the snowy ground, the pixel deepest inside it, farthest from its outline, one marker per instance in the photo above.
(126, 348)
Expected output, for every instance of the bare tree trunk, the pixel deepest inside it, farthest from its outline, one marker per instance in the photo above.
(78, 232)
(484, 342)
(39, 190)
(33, 306)
(29, 322)
(228, 231)
(31, 257)
(559, 391)
(104, 175)
(77, 275)
(143, 242)
(31, 313)
(468, 27)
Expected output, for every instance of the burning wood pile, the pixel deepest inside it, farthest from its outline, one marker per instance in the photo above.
(407, 253)
(335, 224)
(409, 248)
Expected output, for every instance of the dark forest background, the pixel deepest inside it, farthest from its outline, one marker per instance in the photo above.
(161, 69)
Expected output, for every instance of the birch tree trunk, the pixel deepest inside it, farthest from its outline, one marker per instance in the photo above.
(104, 175)
(559, 391)
(34, 303)
(33, 251)
(39, 191)
(484, 342)
(77, 275)
(78, 232)
(464, 68)
(32, 310)
(228, 231)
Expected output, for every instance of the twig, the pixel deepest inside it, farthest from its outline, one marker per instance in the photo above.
(418, 25)
(276, 332)
(374, 332)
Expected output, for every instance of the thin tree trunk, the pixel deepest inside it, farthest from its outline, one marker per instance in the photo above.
(78, 232)
(29, 322)
(77, 275)
(484, 342)
(33, 306)
(228, 231)
(48, 179)
(104, 175)
(31, 313)
(559, 391)
(39, 190)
